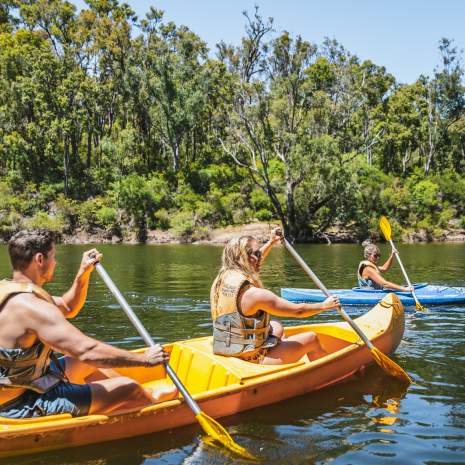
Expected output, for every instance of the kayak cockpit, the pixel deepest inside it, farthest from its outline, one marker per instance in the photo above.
(200, 370)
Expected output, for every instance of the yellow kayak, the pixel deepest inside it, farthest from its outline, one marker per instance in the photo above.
(221, 386)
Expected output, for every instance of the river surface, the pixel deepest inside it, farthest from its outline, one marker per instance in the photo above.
(364, 421)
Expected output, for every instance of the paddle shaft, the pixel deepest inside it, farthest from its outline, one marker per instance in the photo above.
(325, 291)
(145, 335)
(405, 273)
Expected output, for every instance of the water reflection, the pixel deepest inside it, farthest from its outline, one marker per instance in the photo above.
(387, 404)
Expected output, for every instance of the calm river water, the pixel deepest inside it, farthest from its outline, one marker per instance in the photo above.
(364, 421)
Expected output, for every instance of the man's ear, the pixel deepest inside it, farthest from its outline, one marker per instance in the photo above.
(39, 258)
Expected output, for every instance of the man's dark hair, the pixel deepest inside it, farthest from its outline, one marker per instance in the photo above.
(25, 244)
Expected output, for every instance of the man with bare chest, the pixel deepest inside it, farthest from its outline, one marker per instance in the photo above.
(33, 324)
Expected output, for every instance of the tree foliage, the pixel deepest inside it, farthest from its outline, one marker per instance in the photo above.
(108, 121)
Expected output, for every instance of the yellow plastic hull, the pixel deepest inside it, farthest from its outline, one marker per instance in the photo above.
(222, 386)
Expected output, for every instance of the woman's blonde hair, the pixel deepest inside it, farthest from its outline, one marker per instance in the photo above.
(236, 258)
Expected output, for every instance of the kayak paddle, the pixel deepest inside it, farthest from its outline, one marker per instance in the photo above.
(386, 230)
(388, 365)
(213, 429)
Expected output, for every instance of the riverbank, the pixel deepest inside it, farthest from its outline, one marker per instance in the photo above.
(212, 236)
(220, 236)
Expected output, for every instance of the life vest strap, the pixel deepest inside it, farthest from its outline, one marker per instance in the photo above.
(15, 363)
(239, 331)
(230, 339)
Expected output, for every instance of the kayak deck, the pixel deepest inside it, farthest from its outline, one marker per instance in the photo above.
(221, 385)
(427, 295)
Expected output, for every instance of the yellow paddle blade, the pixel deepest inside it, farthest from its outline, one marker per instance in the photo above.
(420, 307)
(220, 435)
(385, 227)
(389, 366)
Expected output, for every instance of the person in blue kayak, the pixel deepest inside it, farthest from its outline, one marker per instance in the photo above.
(241, 310)
(33, 324)
(369, 274)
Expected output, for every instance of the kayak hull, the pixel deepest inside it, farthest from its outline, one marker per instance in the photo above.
(221, 386)
(427, 295)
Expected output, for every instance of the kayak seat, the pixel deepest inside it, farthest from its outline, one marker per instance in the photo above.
(162, 384)
(201, 370)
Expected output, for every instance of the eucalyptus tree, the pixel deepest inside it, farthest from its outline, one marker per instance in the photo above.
(423, 120)
(446, 104)
(403, 128)
(249, 137)
(48, 114)
(28, 103)
(296, 120)
(101, 106)
(171, 83)
(105, 50)
(267, 127)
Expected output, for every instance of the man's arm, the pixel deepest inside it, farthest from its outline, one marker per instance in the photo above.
(47, 321)
(255, 299)
(71, 302)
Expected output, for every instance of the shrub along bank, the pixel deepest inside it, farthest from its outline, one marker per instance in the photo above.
(419, 207)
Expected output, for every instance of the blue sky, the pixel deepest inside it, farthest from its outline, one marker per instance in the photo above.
(400, 35)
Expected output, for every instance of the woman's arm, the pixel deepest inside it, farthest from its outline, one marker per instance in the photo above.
(388, 262)
(275, 237)
(255, 299)
(377, 278)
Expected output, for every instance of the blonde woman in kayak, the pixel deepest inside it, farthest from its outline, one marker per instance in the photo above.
(369, 273)
(241, 310)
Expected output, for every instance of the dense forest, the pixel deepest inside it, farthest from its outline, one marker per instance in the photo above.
(113, 123)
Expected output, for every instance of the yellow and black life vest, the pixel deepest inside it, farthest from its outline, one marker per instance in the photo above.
(368, 282)
(26, 368)
(234, 334)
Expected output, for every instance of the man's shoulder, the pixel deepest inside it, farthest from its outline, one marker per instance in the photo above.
(27, 303)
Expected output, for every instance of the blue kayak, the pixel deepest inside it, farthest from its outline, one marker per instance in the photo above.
(427, 295)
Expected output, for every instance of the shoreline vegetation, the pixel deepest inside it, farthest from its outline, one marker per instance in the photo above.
(220, 236)
(115, 128)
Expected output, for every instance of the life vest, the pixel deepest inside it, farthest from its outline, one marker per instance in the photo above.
(234, 334)
(362, 282)
(26, 368)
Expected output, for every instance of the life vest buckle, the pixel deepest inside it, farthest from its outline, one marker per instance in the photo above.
(228, 334)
